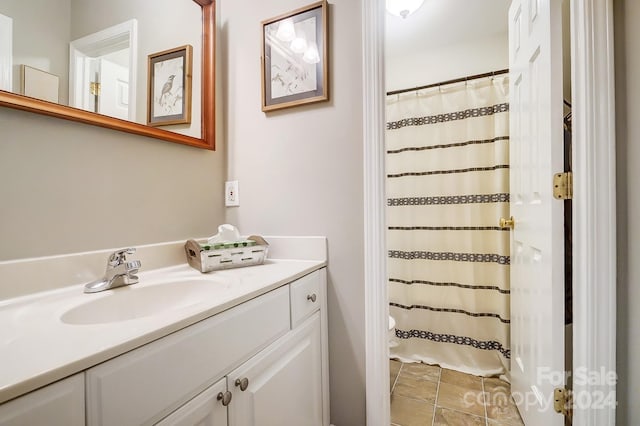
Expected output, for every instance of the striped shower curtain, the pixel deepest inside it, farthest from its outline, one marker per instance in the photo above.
(448, 260)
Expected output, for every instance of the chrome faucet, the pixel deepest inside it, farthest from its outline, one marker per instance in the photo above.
(120, 272)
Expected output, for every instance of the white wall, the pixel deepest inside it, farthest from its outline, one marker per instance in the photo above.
(434, 65)
(300, 172)
(40, 38)
(627, 41)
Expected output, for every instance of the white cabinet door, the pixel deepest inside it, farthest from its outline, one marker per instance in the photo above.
(284, 382)
(143, 386)
(59, 404)
(203, 410)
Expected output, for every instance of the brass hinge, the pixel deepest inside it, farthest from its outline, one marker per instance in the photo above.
(562, 401)
(563, 186)
(94, 88)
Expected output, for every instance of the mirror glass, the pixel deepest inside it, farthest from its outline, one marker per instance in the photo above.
(93, 54)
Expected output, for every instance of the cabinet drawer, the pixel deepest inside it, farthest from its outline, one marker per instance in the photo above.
(204, 409)
(144, 385)
(306, 297)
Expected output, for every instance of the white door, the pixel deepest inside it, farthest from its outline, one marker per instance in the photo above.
(537, 251)
(282, 385)
(206, 409)
(114, 90)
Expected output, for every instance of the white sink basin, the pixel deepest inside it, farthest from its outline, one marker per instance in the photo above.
(131, 302)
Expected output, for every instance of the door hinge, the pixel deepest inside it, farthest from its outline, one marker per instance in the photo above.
(94, 88)
(563, 186)
(562, 401)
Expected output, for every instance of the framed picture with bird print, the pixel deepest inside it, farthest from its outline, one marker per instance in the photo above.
(169, 87)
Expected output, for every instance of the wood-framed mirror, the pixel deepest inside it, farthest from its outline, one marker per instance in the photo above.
(207, 134)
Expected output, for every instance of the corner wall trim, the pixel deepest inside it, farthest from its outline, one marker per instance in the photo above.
(594, 203)
(376, 306)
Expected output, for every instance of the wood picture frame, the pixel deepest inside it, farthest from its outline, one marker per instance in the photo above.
(294, 63)
(169, 87)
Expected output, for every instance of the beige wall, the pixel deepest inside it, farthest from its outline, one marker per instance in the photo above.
(69, 187)
(40, 38)
(300, 172)
(627, 42)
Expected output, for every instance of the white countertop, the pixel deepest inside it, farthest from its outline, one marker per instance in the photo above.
(38, 348)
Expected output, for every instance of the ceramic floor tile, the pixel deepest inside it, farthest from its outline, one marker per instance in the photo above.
(394, 369)
(461, 398)
(504, 414)
(501, 423)
(500, 406)
(445, 417)
(492, 384)
(421, 371)
(461, 379)
(410, 387)
(410, 412)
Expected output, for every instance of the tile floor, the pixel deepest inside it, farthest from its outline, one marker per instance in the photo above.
(427, 395)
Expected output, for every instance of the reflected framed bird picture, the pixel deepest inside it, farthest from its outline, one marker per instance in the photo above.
(169, 87)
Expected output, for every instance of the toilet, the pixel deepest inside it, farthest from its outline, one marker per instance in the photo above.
(392, 332)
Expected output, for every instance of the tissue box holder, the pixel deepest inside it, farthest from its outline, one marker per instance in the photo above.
(206, 258)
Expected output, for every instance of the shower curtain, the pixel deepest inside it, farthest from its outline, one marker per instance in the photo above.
(448, 260)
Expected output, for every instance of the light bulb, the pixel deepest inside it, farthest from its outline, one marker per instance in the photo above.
(403, 8)
(286, 31)
(298, 45)
(311, 55)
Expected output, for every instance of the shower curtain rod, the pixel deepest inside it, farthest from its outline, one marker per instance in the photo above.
(457, 80)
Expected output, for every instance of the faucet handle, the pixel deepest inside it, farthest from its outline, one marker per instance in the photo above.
(120, 256)
(133, 266)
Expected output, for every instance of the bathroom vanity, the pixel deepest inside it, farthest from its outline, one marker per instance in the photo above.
(243, 347)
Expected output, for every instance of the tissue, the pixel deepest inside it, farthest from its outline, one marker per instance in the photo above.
(226, 233)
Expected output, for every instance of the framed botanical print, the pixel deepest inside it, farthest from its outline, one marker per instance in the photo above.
(294, 58)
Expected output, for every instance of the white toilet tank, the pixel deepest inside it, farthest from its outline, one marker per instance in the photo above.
(392, 332)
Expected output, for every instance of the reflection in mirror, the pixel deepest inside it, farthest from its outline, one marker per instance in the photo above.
(6, 51)
(62, 38)
(102, 71)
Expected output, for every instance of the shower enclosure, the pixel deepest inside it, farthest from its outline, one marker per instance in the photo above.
(447, 158)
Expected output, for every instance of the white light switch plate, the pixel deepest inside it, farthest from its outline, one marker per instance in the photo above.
(231, 195)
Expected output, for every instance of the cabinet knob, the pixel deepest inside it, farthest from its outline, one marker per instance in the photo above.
(311, 297)
(242, 383)
(225, 397)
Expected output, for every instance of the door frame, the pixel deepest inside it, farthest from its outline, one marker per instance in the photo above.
(83, 50)
(594, 208)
